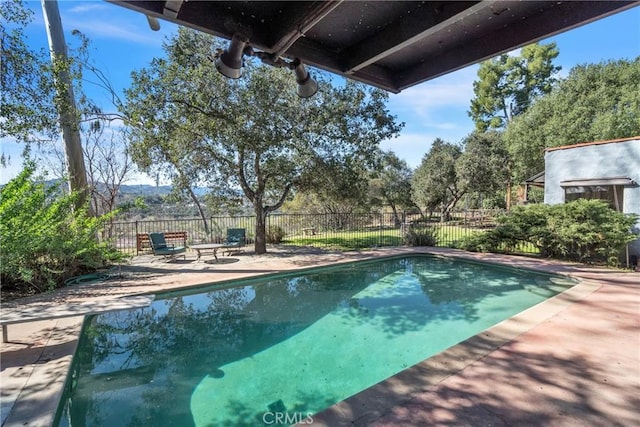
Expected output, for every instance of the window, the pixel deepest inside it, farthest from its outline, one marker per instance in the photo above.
(613, 194)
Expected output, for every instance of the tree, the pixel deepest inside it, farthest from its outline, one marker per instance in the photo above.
(507, 85)
(38, 100)
(109, 164)
(435, 182)
(26, 80)
(595, 102)
(333, 187)
(68, 115)
(484, 166)
(253, 133)
(390, 184)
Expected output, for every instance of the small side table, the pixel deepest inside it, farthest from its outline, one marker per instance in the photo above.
(203, 247)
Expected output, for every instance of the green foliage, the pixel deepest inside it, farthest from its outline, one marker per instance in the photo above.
(44, 240)
(582, 230)
(252, 134)
(350, 240)
(334, 186)
(435, 182)
(275, 234)
(483, 167)
(421, 236)
(507, 85)
(26, 78)
(390, 184)
(596, 102)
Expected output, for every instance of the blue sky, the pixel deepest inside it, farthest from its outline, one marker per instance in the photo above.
(122, 41)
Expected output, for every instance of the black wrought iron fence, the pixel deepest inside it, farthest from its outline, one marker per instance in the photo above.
(338, 230)
(124, 235)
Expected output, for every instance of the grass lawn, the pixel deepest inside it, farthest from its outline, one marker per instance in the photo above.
(447, 236)
(348, 240)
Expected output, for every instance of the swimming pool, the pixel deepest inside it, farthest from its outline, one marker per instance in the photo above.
(282, 347)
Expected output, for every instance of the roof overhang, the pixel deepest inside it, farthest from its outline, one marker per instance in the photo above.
(389, 44)
(616, 180)
(536, 180)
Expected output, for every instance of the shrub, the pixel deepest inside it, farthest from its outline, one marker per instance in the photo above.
(483, 242)
(588, 231)
(582, 230)
(420, 236)
(275, 234)
(44, 239)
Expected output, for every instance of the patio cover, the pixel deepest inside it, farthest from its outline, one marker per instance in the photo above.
(389, 44)
(536, 180)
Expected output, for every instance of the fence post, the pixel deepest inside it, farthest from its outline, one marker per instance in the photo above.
(136, 238)
(381, 229)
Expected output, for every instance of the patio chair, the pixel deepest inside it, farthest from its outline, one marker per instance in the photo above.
(235, 241)
(160, 247)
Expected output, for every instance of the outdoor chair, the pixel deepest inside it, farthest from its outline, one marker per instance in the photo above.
(160, 247)
(235, 241)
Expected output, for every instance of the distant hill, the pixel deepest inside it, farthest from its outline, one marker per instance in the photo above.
(152, 190)
(141, 189)
(145, 190)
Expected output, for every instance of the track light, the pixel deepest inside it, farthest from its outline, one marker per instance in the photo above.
(307, 86)
(154, 24)
(229, 63)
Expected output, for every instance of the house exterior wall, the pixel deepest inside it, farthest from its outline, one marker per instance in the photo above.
(592, 161)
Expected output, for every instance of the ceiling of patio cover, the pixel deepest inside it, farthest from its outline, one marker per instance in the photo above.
(389, 44)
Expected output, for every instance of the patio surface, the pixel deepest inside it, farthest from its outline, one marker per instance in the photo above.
(573, 360)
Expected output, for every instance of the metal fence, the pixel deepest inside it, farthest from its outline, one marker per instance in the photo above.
(331, 230)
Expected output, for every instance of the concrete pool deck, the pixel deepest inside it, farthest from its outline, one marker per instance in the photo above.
(572, 360)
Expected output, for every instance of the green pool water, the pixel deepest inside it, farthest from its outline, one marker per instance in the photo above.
(274, 350)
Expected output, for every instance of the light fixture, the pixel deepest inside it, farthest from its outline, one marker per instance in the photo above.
(307, 86)
(154, 24)
(229, 63)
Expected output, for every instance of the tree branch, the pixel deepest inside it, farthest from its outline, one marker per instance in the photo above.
(242, 178)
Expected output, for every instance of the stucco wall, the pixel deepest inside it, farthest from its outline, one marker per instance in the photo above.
(614, 159)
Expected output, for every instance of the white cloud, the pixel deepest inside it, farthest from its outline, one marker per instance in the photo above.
(410, 147)
(87, 7)
(452, 90)
(137, 32)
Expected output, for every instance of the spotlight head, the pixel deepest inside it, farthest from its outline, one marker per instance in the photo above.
(154, 24)
(307, 87)
(229, 63)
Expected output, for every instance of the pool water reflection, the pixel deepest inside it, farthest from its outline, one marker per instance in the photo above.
(290, 344)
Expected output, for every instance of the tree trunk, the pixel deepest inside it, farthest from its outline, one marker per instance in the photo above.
(66, 106)
(396, 218)
(261, 228)
(200, 211)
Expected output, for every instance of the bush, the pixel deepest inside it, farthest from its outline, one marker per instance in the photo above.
(420, 236)
(275, 234)
(482, 242)
(44, 239)
(582, 230)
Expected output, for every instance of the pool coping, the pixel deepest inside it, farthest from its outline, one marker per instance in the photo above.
(46, 375)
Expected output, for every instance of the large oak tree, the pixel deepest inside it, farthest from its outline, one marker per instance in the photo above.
(252, 133)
